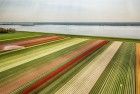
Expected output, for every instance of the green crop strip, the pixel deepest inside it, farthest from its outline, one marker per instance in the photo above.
(99, 37)
(18, 35)
(119, 76)
(57, 84)
(35, 63)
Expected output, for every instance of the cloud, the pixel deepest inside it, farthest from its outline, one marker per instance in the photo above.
(69, 10)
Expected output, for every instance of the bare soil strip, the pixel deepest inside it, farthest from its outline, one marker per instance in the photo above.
(11, 47)
(29, 42)
(1, 47)
(35, 41)
(63, 68)
(138, 68)
(83, 82)
(30, 75)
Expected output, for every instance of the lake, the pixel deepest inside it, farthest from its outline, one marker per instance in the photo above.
(105, 31)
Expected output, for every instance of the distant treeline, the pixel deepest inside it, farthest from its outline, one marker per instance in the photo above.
(7, 30)
(73, 23)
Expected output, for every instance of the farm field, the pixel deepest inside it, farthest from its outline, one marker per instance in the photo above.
(18, 35)
(91, 73)
(64, 64)
(119, 76)
(28, 42)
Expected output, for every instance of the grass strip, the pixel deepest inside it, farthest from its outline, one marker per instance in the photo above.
(98, 37)
(18, 35)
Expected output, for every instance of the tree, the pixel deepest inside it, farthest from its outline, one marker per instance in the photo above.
(8, 30)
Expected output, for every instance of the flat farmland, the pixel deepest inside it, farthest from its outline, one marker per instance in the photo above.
(58, 64)
(18, 36)
(91, 73)
(119, 76)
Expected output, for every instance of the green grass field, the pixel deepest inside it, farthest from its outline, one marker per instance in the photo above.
(18, 36)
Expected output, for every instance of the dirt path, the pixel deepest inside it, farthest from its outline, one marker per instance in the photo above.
(28, 42)
(138, 68)
(65, 67)
(83, 82)
(29, 75)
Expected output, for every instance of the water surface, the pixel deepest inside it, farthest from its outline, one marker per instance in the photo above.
(105, 31)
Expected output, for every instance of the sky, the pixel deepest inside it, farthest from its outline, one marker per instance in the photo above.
(69, 10)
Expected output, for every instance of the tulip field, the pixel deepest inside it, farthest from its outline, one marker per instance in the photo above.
(41, 63)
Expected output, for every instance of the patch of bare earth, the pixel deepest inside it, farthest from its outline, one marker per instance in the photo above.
(12, 47)
(1, 47)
